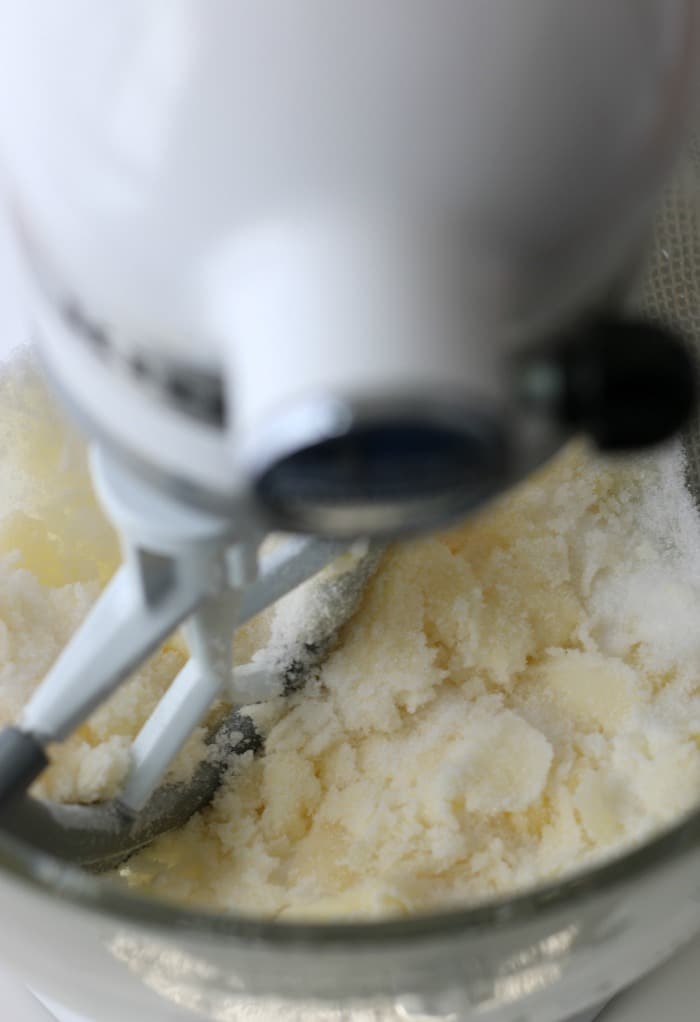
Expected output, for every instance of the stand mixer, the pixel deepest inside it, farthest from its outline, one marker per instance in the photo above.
(345, 271)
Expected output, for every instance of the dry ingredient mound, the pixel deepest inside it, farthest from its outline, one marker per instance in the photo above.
(514, 699)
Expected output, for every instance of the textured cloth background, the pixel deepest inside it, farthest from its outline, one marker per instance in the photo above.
(672, 287)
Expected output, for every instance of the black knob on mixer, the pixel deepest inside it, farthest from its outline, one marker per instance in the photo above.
(627, 384)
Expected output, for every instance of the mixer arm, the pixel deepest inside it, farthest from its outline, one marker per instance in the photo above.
(129, 620)
(102, 835)
(207, 675)
(148, 598)
(179, 562)
(200, 682)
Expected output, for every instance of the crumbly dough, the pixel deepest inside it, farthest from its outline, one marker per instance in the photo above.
(514, 699)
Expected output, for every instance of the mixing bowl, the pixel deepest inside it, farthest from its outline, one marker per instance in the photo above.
(544, 955)
(540, 957)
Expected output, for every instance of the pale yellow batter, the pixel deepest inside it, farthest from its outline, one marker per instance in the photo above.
(513, 699)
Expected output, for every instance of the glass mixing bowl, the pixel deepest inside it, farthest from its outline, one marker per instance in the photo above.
(545, 955)
(540, 957)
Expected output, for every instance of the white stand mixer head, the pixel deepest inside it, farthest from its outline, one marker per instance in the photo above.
(251, 227)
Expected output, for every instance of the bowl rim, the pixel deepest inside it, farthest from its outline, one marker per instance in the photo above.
(106, 896)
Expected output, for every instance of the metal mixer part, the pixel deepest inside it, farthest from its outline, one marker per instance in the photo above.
(180, 566)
